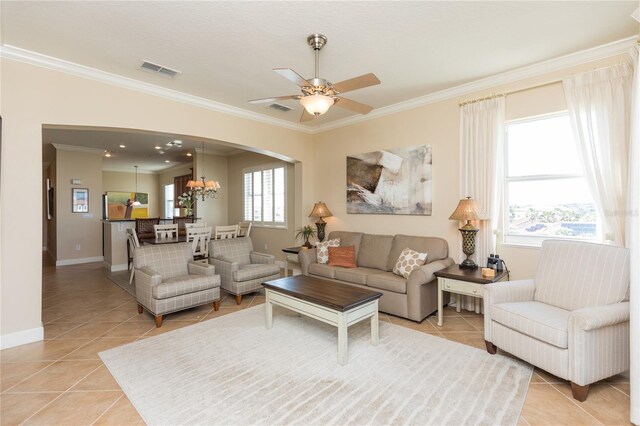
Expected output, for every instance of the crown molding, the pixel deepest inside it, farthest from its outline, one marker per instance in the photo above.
(62, 147)
(551, 65)
(544, 67)
(33, 58)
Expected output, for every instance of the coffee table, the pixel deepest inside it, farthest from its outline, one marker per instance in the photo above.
(333, 303)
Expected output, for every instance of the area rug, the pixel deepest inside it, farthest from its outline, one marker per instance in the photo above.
(122, 280)
(231, 370)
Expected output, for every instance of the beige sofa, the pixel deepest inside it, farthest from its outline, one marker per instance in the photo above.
(414, 298)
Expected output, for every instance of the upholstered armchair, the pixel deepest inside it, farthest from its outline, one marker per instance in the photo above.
(168, 280)
(241, 269)
(572, 319)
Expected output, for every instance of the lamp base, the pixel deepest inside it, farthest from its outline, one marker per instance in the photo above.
(320, 227)
(468, 264)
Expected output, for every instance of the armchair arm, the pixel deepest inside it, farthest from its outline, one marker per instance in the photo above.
(501, 292)
(148, 276)
(599, 316)
(424, 274)
(225, 268)
(199, 268)
(598, 342)
(306, 258)
(146, 279)
(261, 257)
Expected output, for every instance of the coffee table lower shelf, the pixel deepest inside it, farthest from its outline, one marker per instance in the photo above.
(341, 320)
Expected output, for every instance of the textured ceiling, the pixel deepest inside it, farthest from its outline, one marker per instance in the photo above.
(227, 50)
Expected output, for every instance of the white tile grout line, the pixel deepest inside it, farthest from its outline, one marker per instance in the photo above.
(619, 390)
(573, 401)
(109, 408)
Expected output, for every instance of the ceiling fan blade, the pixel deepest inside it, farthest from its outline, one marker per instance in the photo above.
(306, 116)
(291, 75)
(353, 105)
(356, 83)
(277, 98)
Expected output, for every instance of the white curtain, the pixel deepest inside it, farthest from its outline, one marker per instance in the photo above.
(633, 238)
(599, 108)
(481, 170)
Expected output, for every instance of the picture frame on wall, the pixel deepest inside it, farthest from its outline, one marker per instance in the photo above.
(79, 200)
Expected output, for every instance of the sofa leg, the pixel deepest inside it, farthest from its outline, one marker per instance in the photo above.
(216, 305)
(491, 348)
(140, 308)
(158, 321)
(579, 392)
(238, 299)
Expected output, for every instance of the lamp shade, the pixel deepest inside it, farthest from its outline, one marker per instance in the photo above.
(320, 209)
(317, 104)
(467, 210)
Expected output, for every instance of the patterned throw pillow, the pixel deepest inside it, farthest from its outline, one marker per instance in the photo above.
(343, 256)
(323, 249)
(408, 261)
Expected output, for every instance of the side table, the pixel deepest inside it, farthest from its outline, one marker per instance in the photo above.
(290, 255)
(467, 282)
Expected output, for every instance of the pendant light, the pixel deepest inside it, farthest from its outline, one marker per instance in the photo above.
(135, 201)
(203, 188)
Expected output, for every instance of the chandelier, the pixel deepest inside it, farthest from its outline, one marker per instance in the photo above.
(203, 188)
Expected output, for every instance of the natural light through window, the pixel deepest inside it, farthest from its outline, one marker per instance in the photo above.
(546, 192)
(264, 196)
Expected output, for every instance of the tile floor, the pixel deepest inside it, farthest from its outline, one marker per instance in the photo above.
(63, 381)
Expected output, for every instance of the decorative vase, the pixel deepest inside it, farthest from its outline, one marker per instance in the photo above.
(189, 211)
(307, 244)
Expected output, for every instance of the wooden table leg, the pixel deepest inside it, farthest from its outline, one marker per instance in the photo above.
(343, 355)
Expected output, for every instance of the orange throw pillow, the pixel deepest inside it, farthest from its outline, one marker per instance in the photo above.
(343, 256)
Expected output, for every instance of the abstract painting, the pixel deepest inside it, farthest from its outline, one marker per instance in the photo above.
(120, 205)
(393, 181)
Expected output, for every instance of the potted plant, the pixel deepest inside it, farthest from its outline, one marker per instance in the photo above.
(305, 233)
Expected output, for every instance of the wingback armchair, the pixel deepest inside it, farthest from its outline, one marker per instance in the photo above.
(241, 269)
(572, 319)
(168, 280)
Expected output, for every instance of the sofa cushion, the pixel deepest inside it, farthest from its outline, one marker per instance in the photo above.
(408, 261)
(254, 271)
(232, 249)
(387, 281)
(322, 270)
(178, 286)
(342, 256)
(374, 251)
(322, 249)
(538, 320)
(437, 248)
(347, 239)
(355, 275)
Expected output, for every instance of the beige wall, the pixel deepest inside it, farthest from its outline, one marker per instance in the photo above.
(126, 182)
(79, 235)
(265, 240)
(213, 211)
(33, 97)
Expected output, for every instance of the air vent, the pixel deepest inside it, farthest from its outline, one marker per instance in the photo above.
(279, 107)
(159, 69)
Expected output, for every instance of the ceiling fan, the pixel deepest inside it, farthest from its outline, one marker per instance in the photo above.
(318, 95)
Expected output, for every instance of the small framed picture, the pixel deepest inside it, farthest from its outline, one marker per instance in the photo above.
(79, 200)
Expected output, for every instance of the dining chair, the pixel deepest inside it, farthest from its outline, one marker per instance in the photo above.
(199, 238)
(144, 227)
(226, 231)
(244, 229)
(166, 231)
(132, 244)
(182, 222)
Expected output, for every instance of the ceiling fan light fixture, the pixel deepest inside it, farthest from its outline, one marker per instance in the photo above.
(317, 104)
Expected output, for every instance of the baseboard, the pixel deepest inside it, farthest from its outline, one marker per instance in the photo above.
(116, 268)
(79, 261)
(21, 337)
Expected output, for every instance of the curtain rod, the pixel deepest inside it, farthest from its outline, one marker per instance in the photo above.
(510, 92)
(524, 89)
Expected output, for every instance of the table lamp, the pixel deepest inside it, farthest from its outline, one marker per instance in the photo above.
(320, 210)
(467, 210)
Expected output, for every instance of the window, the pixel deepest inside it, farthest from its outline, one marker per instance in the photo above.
(546, 193)
(168, 201)
(264, 196)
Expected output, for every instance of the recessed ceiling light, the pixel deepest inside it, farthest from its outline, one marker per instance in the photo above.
(107, 154)
(161, 152)
(188, 154)
(167, 161)
(122, 146)
(158, 147)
